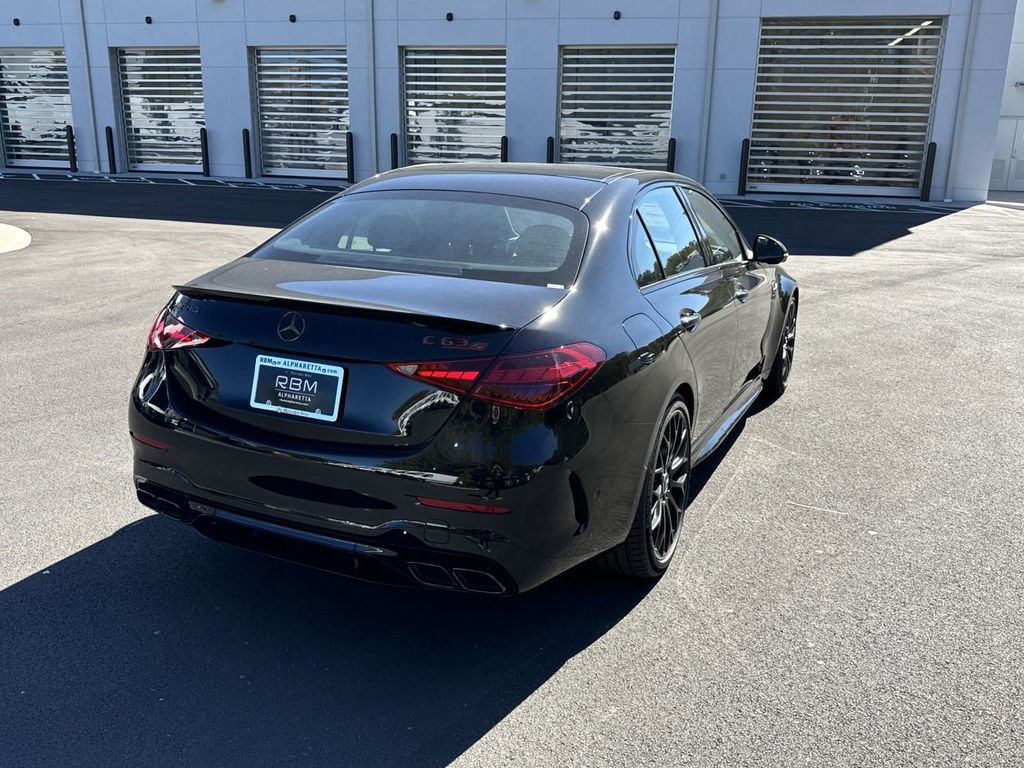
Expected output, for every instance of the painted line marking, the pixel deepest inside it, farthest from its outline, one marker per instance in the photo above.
(779, 448)
(818, 509)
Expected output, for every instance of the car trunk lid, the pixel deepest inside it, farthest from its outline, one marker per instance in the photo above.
(335, 317)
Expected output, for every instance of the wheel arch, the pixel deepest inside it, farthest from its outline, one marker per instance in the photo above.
(685, 391)
(788, 288)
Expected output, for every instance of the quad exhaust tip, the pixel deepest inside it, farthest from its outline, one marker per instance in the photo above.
(432, 575)
(469, 579)
(478, 581)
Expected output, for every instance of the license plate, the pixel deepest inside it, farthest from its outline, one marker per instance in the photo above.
(297, 387)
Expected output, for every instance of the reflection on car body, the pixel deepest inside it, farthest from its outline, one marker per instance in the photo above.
(488, 392)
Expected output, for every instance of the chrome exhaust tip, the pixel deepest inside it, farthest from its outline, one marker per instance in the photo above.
(478, 581)
(432, 575)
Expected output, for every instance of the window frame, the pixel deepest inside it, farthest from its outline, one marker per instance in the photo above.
(635, 219)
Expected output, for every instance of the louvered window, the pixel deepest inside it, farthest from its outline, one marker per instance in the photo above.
(615, 105)
(302, 106)
(454, 104)
(162, 107)
(35, 106)
(843, 104)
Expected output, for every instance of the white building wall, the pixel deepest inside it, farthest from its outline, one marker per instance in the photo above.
(986, 68)
(531, 31)
(1013, 86)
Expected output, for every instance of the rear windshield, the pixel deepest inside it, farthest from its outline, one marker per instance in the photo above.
(471, 235)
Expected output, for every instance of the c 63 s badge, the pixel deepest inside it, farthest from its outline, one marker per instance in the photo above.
(454, 342)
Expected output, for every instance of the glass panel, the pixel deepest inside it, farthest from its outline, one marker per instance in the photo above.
(843, 101)
(483, 237)
(721, 235)
(615, 105)
(302, 109)
(35, 106)
(645, 261)
(162, 107)
(674, 237)
(454, 104)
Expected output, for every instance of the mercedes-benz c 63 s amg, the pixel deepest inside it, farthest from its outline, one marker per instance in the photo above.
(470, 377)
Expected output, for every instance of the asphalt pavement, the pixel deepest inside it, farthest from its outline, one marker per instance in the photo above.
(848, 589)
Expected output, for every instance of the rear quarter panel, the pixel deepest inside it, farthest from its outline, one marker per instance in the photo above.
(633, 396)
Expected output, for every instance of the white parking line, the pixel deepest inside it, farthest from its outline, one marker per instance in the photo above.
(818, 509)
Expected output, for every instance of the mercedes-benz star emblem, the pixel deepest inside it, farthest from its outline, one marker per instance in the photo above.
(291, 326)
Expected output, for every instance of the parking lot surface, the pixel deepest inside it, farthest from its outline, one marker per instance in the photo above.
(848, 590)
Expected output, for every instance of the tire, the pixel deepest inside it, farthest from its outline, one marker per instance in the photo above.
(782, 365)
(654, 534)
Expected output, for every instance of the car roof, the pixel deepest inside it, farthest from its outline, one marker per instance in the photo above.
(572, 185)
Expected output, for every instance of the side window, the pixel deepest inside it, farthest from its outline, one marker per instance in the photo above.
(645, 261)
(670, 228)
(723, 241)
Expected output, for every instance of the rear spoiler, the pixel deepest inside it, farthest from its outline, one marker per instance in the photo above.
(334, 306)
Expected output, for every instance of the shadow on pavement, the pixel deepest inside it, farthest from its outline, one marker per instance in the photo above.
(702, 472)
(805, 231)
(154, 647)
(219, 204)
(829, 232)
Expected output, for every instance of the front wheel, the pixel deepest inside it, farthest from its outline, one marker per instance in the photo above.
(648, 549)
(778, 377)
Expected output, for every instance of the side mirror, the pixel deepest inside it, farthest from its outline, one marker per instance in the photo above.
(769, 250)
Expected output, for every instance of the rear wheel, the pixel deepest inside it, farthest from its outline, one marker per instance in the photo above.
(652, 539)
(777, 379)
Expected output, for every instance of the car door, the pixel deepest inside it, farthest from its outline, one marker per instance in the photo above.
(672, 271)
(754, 285)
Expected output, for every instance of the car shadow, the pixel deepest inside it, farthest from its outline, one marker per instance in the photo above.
(155, 647)
(703, 472)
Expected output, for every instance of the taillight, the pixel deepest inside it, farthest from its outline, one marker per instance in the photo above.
(168, 332)
(531, 380)
(456, 375)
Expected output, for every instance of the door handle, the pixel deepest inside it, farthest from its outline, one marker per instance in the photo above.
(688, 320)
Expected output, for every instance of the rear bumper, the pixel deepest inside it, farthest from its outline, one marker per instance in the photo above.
(363, 520)
(396, 562)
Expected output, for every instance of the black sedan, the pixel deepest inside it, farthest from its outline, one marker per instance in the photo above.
(470, 377)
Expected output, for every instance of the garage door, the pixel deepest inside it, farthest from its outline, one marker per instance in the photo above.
(454, 104)
(35, 107)
(843, 105)
(302, 110)
(161, 107)
(615, 105)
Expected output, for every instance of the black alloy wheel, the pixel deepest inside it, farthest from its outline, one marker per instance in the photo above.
(777, 380)
(648, 549)
(788, 346)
